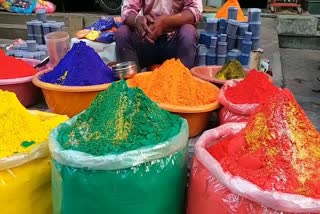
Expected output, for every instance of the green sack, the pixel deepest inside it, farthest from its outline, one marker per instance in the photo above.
(149, 180)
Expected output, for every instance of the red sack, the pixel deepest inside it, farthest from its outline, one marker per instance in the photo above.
(227, 116)
(48, 6)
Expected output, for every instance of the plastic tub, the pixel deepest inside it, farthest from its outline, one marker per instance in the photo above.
(231, 42)
(232, 13)
(37, 27)
(201, 59)
(61, 26)
(39, 39)
(231, 56)
(54, 27)
(239, 42)
(222, 26)
(24, 47)
(255, 28)
(30, 37)
(208, 73)
(31, 45)
(46, 28)
(243, 28)
(232, 27)
(246, 47)
(244, 59)
(196, 116)
(212, 50)
(222, 48)
(211, 25)
(58, 44)
(237, 52)
(202, 49)
(28, 55)
(43, 55)
(202, 38)
(18, 54)
(37, 55)
(248, 36)
(254, 15)
(68, 100)
(30, 27)
(207, 40)
(255, 43)
(223, 38)
(211, 59)
(221, 59)
(41, 15)
(214, 40)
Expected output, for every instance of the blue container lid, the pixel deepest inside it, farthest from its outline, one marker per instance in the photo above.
(46, 24)
(232, 54)
(211, 54)
(222, 43)
(245, 55)
(221, 56)
(232, 8)
(223, 35)
(31, 41)
(55, 25)
(27, 55)
(248, 33)
(212, 20)
(255, 23)
(254, 10)
(41, 11)
(243, 25)
(30, 22)
(37, 23)
(51, 21)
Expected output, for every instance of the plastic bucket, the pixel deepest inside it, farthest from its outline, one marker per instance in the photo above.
(248, 36)
(211, 59)
(237, 52)
(255, 43)
(255, 28)
(214, 40)
(202, 38)
(212, 50)
(32, 45)
(254, 15)
(30, 27)
(46, 28)
(39, 39)
(239, 42)
(246, 47)
(201, 60)
(221, 59)
(222, 26)
(231, 56)
(211, 25)
(243, 27)
(232, 27)
(244, 59)
(222, 48)
(231, 43)
(223, 38)
(58, 44)
(232, 13)
(37, 27)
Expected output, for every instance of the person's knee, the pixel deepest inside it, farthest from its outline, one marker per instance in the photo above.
(188, 33)
(122, 34)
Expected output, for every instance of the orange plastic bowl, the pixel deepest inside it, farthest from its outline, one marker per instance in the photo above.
(68, 100)
(26, 92)
(208, 73)
(197, 116)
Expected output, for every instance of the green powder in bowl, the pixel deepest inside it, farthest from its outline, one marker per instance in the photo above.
(231, 70)
(120, 119)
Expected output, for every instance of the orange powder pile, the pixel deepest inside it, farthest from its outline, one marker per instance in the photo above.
(223, 11)
(172, 83)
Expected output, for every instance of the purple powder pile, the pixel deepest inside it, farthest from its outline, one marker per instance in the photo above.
(81, 66)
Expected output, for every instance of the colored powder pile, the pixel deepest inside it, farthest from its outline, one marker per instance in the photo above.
(173, 83)
(81, 66)
(279, 149)
(11, 67)
(119, 119)
(231, 70)
(255, 88)
(223, 11)
(21, 131)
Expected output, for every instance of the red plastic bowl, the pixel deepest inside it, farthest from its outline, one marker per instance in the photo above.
(27, 93)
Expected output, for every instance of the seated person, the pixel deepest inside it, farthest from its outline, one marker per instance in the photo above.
(165, 30)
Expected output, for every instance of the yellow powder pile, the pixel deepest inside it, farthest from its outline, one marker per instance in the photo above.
(20, 130)
(172, 83)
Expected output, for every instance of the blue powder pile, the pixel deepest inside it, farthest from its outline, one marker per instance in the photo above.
(81, 66)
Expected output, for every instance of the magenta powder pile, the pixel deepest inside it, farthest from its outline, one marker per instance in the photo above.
(81, 66)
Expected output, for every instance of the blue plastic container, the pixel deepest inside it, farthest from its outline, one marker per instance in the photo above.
(231, 55)
(23, 47)
(222, 48)
(254, 15)
(202, 49)
(32, 45)
(231, 42)
(232, 27)
(211, 59)
(243, 27)
(18, 54)
(244, 59)
(248, 36)
(30, 37)
(207, 40)
(37, 27)
(255, 28)
(30, 27)
(232, 13)
(43, 55)
(237, 52)
(239, 42)
(223, 38)
(202, 37)
(42, 15)
(214, 41)
(246, 47)
(255, 43)
(212, 50)
(222, 26)
(212, 25)
(46, 28)
(28, 55)
(10, 53)
(39, 39)
(37, 55)
(221, 59)
(55, 27)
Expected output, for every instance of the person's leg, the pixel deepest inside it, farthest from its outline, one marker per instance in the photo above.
(130, 47)
(185, 41)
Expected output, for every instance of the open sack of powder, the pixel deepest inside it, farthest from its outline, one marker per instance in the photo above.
(122, 150)
(274, 160)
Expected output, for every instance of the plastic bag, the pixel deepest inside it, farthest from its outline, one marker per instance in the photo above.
(107, 37)
(285, 202)
(242, 109)
(104, 23)
(48, 6)
(227, 116)
(206, 194)
(20, 6)
(143, 181)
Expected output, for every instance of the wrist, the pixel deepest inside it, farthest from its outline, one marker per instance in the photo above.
(136, 19)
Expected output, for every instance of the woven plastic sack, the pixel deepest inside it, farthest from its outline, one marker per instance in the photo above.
(285, 202)
(18, 6)
(143, 181)
(206, 194)
(25, 181)
(227, 116)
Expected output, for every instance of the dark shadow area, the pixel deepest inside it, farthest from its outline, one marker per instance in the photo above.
(253, 4)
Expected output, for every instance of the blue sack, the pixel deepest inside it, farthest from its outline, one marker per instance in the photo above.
(105, 23)
(106, 37)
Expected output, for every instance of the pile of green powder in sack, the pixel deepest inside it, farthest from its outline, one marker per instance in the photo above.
(231, 70)
(120, 119)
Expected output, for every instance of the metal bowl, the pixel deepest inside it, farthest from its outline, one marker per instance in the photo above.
(124, 70)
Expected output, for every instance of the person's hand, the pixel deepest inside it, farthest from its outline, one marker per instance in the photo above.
(141, 24)
(158, 27)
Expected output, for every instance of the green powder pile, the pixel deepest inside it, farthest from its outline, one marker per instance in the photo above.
(118, 120)
(231, 70)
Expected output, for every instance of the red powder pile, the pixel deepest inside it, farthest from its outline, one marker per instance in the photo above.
(11, 67)
(279, 149)
(255, 88)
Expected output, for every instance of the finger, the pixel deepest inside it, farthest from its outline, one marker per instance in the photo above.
(149, 19)
(149, 39)
(147, 29)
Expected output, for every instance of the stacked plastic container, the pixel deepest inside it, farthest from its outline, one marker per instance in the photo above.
(224, 40)
(37, 29)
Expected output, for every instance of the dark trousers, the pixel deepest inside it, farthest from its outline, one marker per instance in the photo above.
(183, 45)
